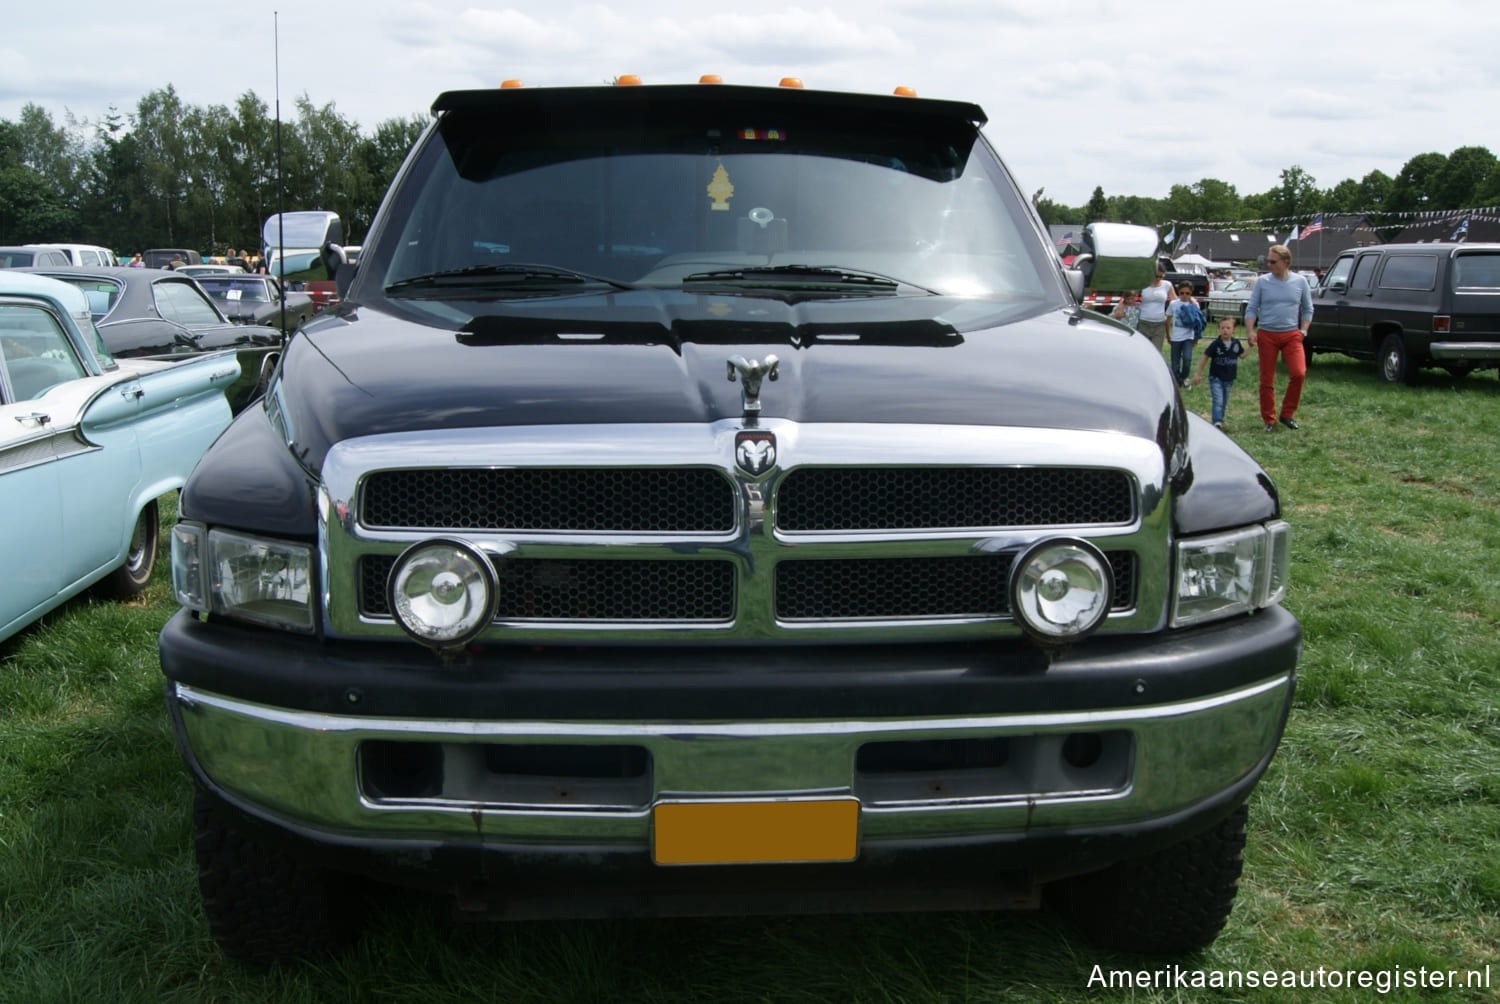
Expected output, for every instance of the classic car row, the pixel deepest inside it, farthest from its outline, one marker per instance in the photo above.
(88, 443)
(163, 314)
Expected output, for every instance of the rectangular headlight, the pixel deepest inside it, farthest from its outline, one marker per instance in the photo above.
(1230, 573)
(262, 580)
(252, 578)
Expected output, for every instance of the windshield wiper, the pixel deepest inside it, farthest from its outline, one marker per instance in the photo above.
(518, 276)
(802, 275)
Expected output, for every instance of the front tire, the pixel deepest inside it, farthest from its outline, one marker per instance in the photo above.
(140, 555)
(1170, 902)
(1395, 361)
(262, 904)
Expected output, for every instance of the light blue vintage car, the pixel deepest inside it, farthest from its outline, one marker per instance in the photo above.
(87, 446)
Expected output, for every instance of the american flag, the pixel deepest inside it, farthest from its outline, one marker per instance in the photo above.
(1313, 227)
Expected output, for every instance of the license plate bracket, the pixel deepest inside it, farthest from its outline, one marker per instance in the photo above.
(783, 831)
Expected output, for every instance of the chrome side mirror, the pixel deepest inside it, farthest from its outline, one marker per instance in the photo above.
(1116, 257)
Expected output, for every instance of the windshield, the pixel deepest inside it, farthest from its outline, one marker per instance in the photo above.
(705, 201)
(102, 294)
(252, 291)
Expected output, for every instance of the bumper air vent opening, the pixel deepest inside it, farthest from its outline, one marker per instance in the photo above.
(507, 775)
(995, 768)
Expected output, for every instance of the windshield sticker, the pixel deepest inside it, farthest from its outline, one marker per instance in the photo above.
(720, 189)
(774, 134)
(232, 294)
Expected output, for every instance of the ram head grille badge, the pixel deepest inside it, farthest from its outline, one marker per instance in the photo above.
(755, 451)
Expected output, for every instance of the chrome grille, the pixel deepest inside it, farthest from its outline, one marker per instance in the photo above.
(587, 590)
(861, 533)
(812, 500)
(595, 500)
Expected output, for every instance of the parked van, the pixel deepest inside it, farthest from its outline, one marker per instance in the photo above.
(83, 254)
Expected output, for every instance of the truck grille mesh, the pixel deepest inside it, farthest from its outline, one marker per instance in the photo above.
(809, 500)
(573, 590)
(821, 499)
(861, 588)
(830, 589)
(590, 500)
(874, 588)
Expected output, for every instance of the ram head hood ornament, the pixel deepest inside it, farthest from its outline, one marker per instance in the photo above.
(750, 373)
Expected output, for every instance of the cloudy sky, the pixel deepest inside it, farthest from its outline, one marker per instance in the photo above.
(1126, 95)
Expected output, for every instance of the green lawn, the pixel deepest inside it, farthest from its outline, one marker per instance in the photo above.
(1373, 838)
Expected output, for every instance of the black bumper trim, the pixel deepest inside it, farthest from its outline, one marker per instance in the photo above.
(673, 681)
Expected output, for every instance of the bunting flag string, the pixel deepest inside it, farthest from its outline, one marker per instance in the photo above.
(1371, 217)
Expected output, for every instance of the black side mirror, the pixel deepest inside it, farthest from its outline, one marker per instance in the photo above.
(336, 264)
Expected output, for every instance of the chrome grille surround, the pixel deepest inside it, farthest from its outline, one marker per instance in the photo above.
(888, 561)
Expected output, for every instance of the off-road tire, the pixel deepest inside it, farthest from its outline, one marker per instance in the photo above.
(140, 555)
(1394, 363)
(262, 904)
(1171, 902)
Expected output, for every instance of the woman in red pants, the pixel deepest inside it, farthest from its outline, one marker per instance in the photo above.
(1281, 308)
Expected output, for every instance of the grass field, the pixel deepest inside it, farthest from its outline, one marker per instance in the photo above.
(1373, 838)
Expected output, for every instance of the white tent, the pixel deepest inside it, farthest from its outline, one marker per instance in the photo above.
(1198, 259)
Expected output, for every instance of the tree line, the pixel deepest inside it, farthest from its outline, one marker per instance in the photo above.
(1465, 178)
(175, 175)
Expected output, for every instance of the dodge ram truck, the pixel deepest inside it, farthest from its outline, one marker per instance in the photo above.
(715, 499)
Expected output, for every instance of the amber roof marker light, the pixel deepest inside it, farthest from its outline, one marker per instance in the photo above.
(627, 80)
(791, 81)
(905, 92)
(508, 84)
(710, 78)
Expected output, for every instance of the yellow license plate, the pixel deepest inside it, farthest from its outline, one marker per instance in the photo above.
(724, 833)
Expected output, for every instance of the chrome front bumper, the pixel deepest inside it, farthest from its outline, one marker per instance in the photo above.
(310, 772)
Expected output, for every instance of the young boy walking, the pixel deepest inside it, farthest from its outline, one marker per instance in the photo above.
(1184, 327)
(1222, 357)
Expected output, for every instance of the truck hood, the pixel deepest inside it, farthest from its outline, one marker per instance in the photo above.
(648, 357)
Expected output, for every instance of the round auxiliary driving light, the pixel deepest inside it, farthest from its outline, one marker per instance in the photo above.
(1060, 589)
(443, 592)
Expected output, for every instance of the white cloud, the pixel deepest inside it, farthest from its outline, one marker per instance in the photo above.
(1093, 92)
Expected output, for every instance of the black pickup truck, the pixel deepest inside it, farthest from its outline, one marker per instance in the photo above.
(1177, 274)
(1409, 306)
(715, 499)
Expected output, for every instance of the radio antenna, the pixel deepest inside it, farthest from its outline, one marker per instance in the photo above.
(280, 186)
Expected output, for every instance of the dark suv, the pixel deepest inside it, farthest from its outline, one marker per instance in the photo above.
(1412, 305)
